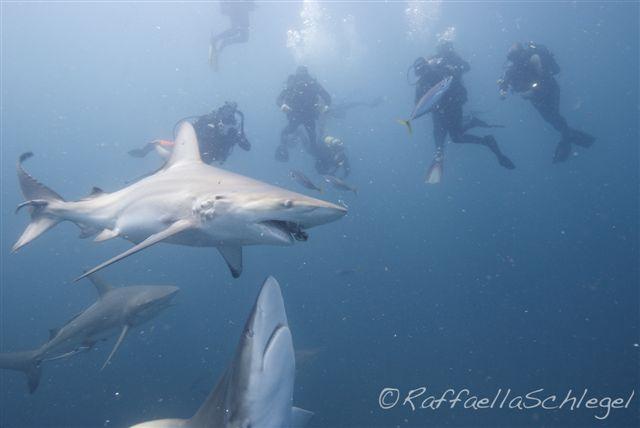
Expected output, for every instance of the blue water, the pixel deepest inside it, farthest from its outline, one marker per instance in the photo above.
(521, 279)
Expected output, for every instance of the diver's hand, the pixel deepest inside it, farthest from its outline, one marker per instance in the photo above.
(502, 89)
(285, 108)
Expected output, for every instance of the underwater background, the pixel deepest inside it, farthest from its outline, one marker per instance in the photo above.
(492, 279)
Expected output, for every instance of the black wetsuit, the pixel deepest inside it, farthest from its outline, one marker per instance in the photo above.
(303, 95)
(532, 75)
(331, 159)
(238, 13)
(447, 114)
(218, 134)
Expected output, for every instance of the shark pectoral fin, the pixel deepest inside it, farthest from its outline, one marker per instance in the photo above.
(175, 228)
(67, 354)
(125, 329)
(300, 417)
(107, 234)
(233, 256)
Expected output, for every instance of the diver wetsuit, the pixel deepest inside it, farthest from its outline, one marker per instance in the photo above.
(531, 73)
(219, 131)
(447, 114)
(331, 157)
(238, 13)
(300, 100)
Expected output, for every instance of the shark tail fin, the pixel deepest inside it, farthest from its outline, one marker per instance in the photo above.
(38, 197)
(25, 362)
(406, 123)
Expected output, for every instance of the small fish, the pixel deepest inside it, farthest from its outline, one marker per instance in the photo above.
(347, 272)
(340, 184)
(303, 180)
(428, 101)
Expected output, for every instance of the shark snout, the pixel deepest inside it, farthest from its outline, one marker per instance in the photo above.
(164, 295)
(170, 292)
(314, 212)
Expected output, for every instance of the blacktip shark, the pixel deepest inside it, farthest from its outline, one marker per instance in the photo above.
(186, 202)
(256, 390)
(117, 309)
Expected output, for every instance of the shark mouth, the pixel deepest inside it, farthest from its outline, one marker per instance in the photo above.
(288, 228)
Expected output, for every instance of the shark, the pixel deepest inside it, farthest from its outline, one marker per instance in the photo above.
(256, 390)
(186, 202)
(115, 312)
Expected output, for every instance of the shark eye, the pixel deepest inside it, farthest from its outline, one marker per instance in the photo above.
(288, 203)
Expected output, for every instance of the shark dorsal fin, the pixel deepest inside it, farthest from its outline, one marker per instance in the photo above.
(264, 359)
(185, 148)
(101, 287)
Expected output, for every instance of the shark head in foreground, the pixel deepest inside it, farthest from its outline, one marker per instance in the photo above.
(256, 390)
(117, 310)
(186, 202)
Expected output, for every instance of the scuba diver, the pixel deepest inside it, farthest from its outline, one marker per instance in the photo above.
(331, 158)
(218, 132)
(531, 72)
(447, 113)
(238, 13)
(300, 100)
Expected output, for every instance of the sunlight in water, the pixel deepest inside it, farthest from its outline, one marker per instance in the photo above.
(324, 36)
(420, 17)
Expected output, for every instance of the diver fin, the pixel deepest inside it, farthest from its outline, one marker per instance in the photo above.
(107, 234)
(142, 152)
(300, 417)
(233, 256)
(563, 151)
(434, 173)
(101, 287)
(580, 138)
(505, 162)
(125, 329)
(173, 229)
(406, 123)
